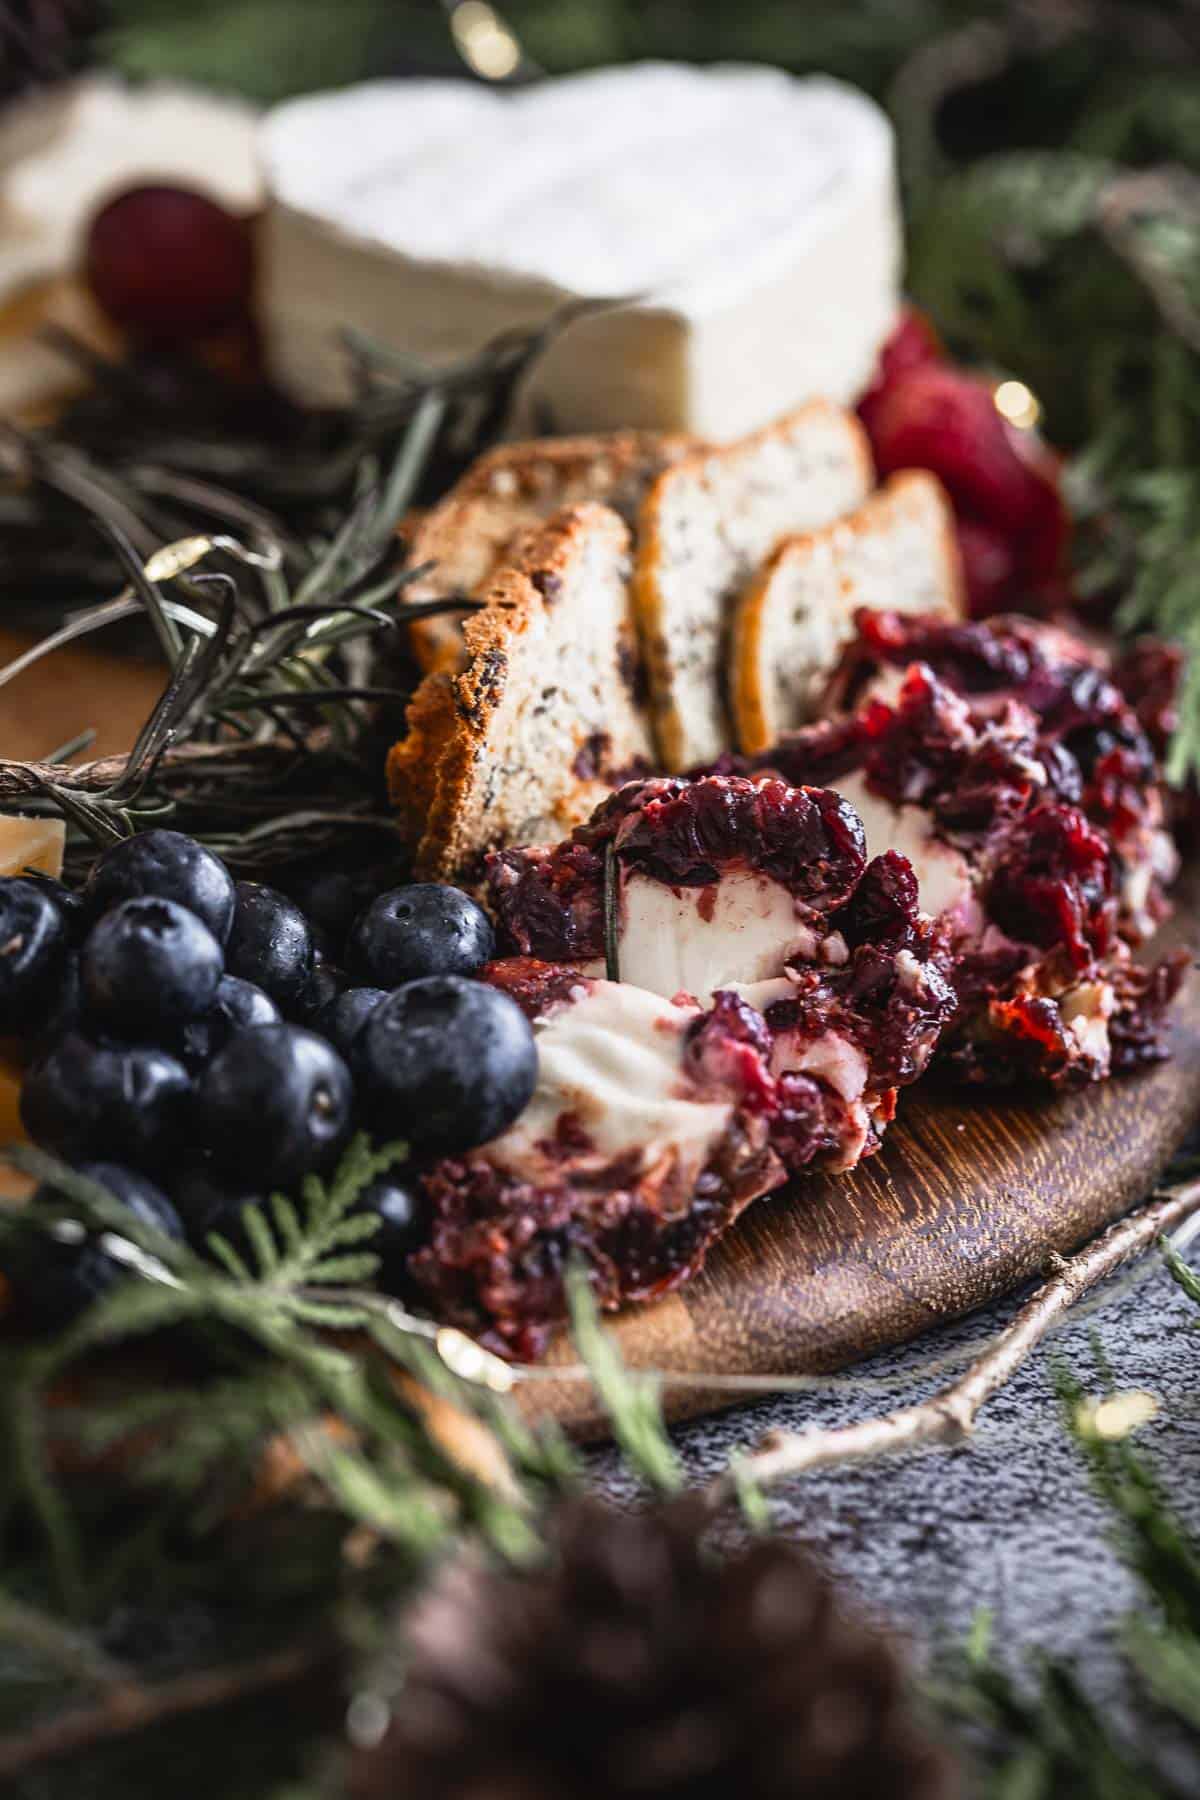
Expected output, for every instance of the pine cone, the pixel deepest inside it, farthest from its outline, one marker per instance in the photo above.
(636, 1663)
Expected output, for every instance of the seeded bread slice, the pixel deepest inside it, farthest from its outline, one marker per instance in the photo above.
(898, 551)
(514, 487)
(703, 528)
(545, 713)
(413, 762)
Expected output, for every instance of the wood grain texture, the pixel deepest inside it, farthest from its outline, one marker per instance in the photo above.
(969, 1196)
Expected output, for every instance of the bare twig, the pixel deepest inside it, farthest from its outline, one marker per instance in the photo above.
(133, 1706)
(948, 1417)
(24, 780)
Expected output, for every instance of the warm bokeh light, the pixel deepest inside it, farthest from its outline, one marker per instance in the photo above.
(1018, 404)
(484, 42)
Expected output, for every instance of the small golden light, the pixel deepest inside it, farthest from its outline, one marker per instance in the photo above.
(484, 42)
(1117, 1416)
(1018, 404)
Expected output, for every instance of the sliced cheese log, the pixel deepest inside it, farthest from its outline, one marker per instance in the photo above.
(32, 846)
(898, 551)
(514, 489)
(704, 527)
(750, 218)
(544, 713)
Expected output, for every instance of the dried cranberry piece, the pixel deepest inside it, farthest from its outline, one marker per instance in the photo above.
(1150, 675)
(809, 1125)
(808, 839)
(534, 985)
(730, 1047)
(884, 906)
(1052, 883)
(1138, 1027)
(549, 902)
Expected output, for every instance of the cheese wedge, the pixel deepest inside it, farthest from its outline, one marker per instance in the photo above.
(748, 221)
(32, 846)
(897, 551)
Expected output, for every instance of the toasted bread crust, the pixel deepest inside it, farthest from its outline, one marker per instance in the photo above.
(412, 763)
(828, 562)
(506, 492)
(743, 507)
(543, 713)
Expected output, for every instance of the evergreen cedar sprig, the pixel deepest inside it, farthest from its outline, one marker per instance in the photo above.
(300, 1273)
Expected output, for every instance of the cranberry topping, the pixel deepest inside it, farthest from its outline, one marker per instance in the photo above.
(1053, 884)
(685, 834)
(534, 985)
(808, 839)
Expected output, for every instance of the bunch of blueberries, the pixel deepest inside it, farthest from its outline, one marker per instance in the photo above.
(193, 1043)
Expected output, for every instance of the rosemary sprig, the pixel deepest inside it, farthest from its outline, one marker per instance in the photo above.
(264, 741)
(612, 905)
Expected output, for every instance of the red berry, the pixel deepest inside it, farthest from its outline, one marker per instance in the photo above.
(913, 342)
(942, 419)
(169, 265)
(990, 568)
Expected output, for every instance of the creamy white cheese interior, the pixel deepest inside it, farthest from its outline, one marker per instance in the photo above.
(943, 873)
(613, 1058)
(699, 940)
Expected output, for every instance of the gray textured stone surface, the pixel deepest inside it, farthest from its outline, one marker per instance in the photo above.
(1008, 1522)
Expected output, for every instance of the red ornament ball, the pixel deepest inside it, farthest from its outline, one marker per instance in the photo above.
(169, 265)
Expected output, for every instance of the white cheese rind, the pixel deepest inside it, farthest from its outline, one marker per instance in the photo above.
(613, 1058)
(754, 216)
(943, 873)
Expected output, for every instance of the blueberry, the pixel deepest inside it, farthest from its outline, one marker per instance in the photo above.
(237, 1006)
(333, 897)
(404, 1213)
(148, 966)
(56, 1279)
(275, 1104)
(169, 866)
(415, 931)
(207, 1203)
(69, 903)
(64, 1011)
(342, 1020)
(33, 950)
(325, 984)
(270, 944)
(85, 1099)
(447, 1063)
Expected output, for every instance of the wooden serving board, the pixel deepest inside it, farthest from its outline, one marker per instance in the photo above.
(967, 1199)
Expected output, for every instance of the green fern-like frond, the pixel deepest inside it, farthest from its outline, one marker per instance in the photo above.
(315, 1244)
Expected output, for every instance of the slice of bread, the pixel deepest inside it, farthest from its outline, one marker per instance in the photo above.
(545, 712)
(413, 762)
(514, 487)
(703, 528)
(897, 551)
